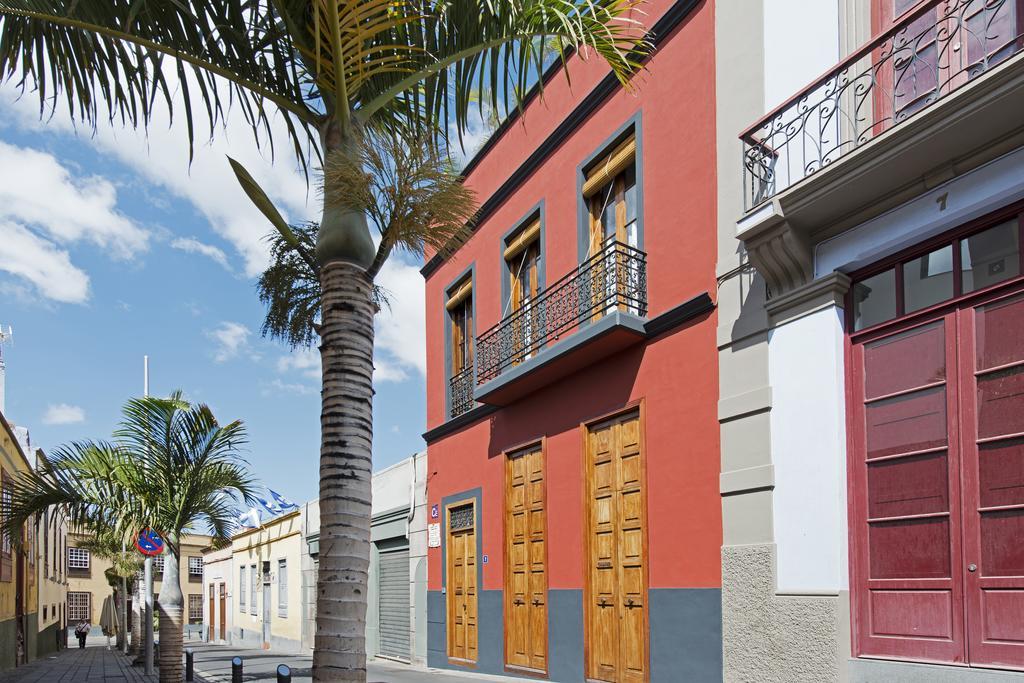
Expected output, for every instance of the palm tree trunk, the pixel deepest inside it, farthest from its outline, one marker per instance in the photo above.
(346, 424)
(135, 647)
(171, 609)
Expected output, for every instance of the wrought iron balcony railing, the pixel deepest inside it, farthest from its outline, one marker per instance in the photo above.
(927, 54)
(613, 279)
(460, 391)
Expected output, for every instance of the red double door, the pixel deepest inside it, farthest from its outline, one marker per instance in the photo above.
(937, 486)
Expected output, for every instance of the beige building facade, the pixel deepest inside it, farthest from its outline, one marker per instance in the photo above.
(51, 542)
(88, 585)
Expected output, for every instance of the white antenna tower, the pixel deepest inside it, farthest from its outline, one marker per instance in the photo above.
(5, 338)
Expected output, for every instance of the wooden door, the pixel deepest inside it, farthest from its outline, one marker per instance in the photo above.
(523, 287)
(223, 611)
(992, 409)
(526, 587)
(462, 583)
(905, 494)
(616, 588)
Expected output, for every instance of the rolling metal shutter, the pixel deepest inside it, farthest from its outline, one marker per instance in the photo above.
(394, 604)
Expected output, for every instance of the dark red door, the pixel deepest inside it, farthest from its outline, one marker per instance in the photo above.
(908, 587)
(992, 375)
(937, 486)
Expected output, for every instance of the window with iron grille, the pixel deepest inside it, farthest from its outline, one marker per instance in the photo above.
(158, 564)
(195, 608)
(78, 558)
(195, 566)
(241, 590)
(282, 588)
(461, 517)
(79, 606)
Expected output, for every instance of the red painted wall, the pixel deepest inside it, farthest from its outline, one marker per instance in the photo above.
(676, 374)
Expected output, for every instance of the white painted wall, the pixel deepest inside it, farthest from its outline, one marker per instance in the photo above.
(808, 426)
(801, 41)
(985, 189)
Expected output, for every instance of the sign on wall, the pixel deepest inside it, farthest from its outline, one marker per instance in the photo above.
(433, 535)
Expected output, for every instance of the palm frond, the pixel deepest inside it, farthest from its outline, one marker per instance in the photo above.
(112, 60)
(290, 289)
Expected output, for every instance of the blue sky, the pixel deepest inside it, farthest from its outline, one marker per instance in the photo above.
(111, 247)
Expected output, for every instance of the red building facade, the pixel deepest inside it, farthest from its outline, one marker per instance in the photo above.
(573, 447)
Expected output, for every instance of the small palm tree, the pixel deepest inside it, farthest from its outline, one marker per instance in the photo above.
(171, 467)
(334, 72)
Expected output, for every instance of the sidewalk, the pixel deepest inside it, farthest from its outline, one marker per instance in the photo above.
(213, 665)
(94, 664)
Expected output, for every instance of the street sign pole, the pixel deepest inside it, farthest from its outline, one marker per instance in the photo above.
(148, 623)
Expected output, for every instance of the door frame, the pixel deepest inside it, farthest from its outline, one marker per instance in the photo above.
(854, 437)
(456, 501)
(507, 454)
(638, 406)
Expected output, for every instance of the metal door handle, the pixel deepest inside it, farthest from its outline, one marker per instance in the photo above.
(517, 601)
(602, 603)
(536, 602)
(630, 603)
(972, 567)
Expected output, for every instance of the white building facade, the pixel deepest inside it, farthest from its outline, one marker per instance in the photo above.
(871, 336)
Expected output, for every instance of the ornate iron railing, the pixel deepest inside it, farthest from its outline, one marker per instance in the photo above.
(460, 392)
(926, 55)
(615, 278)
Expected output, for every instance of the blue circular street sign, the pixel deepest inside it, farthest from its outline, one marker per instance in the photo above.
(149, 543)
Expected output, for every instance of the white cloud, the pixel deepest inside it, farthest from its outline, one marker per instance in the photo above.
(193, 246)
(279, 387)
(161, 158)
(400, 326)
(305, 361)
(35, 189)
(49, 268)
(63, 414)
(231, 339)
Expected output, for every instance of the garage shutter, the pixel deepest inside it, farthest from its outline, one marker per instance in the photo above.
(394, 604)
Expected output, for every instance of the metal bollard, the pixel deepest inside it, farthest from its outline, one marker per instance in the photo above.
(236, 670)
(190, 665)
(284, 674)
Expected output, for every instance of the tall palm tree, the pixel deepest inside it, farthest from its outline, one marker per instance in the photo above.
(171, 467)
(334, 72)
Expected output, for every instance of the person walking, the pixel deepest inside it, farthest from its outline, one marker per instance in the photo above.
(82, 631)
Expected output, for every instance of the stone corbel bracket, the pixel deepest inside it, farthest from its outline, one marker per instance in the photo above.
(781, 255)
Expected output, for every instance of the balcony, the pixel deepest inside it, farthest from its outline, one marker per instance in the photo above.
(928, 55)
(594, 311)
(938, 93)
(460, 392)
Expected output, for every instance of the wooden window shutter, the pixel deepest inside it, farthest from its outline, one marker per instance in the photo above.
(521, 241)
(6, 564)
(460, 294)
(605, 170)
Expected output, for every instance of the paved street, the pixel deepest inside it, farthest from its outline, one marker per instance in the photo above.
(213, 664)
(91, 665)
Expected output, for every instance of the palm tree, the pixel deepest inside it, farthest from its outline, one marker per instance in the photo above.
(335, 72)
(171, 467)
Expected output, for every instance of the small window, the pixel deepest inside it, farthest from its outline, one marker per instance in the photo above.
(282, 588)
(79, 606)
(990, 256)
(195, 566)
(195, 608)
(241, 590)
(78, 558)
(460, 312)
(158, 564)
(928, 279)
(252, 588)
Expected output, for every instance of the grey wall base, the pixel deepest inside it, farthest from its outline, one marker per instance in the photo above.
(47, 640)
(769, 638)
(8, 641)
(686, 637)
(881, 671)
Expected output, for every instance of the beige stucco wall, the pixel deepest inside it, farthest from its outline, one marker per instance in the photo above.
(94, 582)
(278, 539)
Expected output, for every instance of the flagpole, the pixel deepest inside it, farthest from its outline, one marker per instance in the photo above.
(149, 559)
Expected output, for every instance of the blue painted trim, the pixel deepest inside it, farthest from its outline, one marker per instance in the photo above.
(605, 325)
(634, 125)
(536, 212)
(447, 322)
